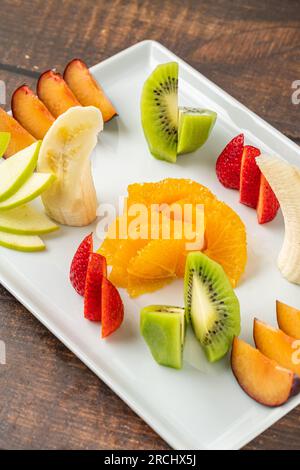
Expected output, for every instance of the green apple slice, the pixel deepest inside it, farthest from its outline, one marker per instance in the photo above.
(163, 328)
(26, 220)
(16, 170)
(195, 126)
(21, 242)
(4, 141)
(36, 184)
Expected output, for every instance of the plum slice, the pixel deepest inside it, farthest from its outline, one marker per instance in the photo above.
(86, 89)
(276, 345)
(19, 137)
(31, 112)
(261, 378)
(288, 319)
(53, 91)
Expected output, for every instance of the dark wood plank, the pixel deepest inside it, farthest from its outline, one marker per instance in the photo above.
(49, 399)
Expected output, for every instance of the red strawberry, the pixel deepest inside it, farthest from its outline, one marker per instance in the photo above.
(112, 308)
(228, 166)
(96, 272)
(250, 177)
(80, 263)
(268, 204)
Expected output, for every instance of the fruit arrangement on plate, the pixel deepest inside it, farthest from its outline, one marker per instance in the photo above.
(47, 144)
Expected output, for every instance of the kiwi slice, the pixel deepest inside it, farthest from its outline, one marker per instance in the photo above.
(194, 128)
(159, 111)
(163, 328)
(210, 305)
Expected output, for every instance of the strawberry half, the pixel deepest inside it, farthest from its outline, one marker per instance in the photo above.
(228, 166)
(268, 204)
(112, 308)
(250, 177)
(96, 272)
(79, 264)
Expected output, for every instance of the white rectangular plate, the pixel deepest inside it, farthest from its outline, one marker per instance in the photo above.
(201, 406)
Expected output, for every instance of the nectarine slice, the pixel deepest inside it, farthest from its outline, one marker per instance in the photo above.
(55, 93)
(276, 345)
(19, 137)
(260, 377)
(288, 319)
(31, 112)
(86, 89)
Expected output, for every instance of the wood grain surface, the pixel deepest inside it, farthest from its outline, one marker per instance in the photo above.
(49, 399)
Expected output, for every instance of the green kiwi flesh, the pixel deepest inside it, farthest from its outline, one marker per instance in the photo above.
(159, 111)
(210, 305)
(163, 328)
(194, 128)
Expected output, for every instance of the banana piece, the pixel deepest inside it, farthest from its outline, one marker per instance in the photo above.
(65, 152)
(284, 180)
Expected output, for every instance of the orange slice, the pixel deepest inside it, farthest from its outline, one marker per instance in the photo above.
(149, 263)
(166, 191)
(225, 236)
(115, 234)
(119, 276)
(138, 286)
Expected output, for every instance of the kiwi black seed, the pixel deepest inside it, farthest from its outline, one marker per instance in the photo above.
(159, 111)
(211, 305)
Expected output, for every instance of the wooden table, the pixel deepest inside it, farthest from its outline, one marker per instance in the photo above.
(49, 399)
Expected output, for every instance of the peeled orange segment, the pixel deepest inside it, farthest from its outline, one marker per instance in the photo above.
(128, 249)
(138, 286)
(180, 269)
(119, 276)
(146, 270)
(120, 247)
(157, 260)
(108, 249)
(166, 191)
(225, 237)
(112, 241)
(188, 206)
